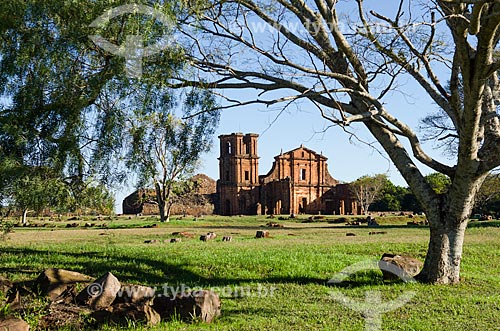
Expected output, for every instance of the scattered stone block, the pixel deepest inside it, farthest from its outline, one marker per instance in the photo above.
(13, 324)
(151, 241)
(350, 234)
(262, 234)
(317, 218)
(274, 225)
(208, 236)
(204, 305)
(134, 294)
(175, 240)
(53, 282)
(124, 313)
(398, 266)
(371, 222)
(101, 293)
(227, 238)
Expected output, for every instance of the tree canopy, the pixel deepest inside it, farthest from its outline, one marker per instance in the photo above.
(440, 183)
(65, 102)
(165, 149)
(367, 189)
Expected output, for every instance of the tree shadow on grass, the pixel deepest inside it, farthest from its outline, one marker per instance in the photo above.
(360, 279)
(365, 278)
(129, 268)
(92, 263)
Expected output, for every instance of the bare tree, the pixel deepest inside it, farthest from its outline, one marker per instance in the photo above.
(294, 50)
(490, 191)
(366, 189)
(165, 149)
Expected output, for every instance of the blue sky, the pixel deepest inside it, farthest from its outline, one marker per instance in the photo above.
(348, 157)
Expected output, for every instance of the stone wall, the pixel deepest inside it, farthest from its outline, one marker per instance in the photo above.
(200, 201)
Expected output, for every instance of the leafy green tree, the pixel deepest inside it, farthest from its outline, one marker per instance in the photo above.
(440, 183)
(367, 189)
(91, 197)
(489, 193)
(64, 100)
(35, 189)
(410, 202)
(390, 198)
(165, 149)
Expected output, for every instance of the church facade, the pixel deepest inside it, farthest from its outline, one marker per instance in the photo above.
(298, 182)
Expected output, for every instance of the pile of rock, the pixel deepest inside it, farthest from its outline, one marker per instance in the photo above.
(104, 300)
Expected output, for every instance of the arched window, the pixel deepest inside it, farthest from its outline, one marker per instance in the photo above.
(229, 148)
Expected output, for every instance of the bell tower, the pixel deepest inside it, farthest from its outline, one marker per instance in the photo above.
(238, 174)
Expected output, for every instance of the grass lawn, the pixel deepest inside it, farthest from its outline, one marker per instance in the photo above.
(276, 283)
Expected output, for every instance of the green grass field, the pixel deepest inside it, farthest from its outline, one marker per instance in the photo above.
(276, 283)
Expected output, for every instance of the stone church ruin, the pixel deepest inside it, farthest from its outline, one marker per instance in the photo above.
(298, 182)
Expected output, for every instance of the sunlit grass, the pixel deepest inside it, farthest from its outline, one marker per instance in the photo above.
(295, 263)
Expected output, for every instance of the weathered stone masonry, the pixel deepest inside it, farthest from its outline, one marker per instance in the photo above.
(298, 182)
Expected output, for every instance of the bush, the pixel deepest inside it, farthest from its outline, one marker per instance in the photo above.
(6, 228)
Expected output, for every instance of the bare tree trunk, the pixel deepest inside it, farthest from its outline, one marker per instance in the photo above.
(444, 254)
(161, 207)
(447, 231)
(169, 208)
(24, 219)
(160, 201)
